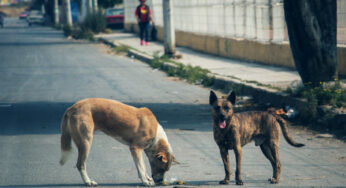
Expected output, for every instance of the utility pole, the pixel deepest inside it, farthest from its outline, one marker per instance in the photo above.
(56, 12)
(68, 13)
(168, 27)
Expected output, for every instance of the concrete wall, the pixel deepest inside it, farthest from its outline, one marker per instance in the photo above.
(266, 53)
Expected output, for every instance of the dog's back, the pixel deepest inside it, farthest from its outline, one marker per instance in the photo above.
(260, 126)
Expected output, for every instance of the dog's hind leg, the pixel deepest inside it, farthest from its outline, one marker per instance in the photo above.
(267, 153)
(83, 139)
(274, 148)
(83, 151)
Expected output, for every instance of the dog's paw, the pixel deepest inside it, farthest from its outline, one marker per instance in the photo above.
(91, 183)
(273, 180)
(239, 182)
(149, 182)
(224, 182)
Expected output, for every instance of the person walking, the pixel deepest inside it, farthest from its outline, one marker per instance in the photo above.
(143, 15)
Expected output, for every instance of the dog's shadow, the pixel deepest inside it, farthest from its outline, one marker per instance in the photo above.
(77, 185)
(187, 183)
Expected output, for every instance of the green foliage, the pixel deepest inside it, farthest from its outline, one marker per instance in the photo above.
(121, 49)
(196, 75)
(108, 31)
(157, 62)
(95, 21)
(78, 32)
(67, 30)
(237, 88)
(82, 32)
(109, 3)
(325, 93)
(58, 26)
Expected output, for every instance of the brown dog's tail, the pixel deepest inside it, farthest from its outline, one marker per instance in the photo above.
(287, 136)
(65, 140)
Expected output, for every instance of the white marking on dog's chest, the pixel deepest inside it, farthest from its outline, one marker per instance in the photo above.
(160, 134)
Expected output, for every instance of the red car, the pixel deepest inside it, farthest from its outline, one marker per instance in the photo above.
(115, 17)
(23, 15)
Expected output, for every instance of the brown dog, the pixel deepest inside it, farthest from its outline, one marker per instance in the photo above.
(234, 130)
(135, 127)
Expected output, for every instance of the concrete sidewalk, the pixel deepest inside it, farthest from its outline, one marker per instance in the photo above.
(245, 71)
(264, 83)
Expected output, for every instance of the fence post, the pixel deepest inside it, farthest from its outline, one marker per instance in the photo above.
(239, 7)
(250, 20)
(278, 21)
(263, 21)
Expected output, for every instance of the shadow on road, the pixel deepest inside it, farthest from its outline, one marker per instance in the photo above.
(76, 185)
(16, 44)
(45, 117)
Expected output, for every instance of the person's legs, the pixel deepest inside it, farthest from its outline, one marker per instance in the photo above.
(141, 32)
(147, 30)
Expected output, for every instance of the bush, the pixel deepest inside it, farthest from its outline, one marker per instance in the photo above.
(95, 21)
(82, 32)
(108, 31)
(58, 26)
(196, 75)
(121, 49)
(330, 93)
(67, 30)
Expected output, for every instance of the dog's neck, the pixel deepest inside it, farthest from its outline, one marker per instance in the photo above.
(160, 134)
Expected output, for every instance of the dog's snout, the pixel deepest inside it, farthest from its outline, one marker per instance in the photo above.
(221, 116)
(158, 179)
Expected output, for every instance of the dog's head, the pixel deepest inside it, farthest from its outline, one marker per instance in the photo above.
(222, 109)
(161, 160)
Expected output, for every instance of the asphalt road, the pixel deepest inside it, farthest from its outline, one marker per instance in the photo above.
(42, 73)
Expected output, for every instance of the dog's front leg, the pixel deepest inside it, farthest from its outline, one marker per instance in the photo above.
(238, 155)
(225, 160)
(140, 165)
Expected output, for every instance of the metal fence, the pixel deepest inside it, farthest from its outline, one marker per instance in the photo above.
(257, 20)
(341, 14)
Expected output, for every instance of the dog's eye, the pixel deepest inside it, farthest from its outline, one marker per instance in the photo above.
(226, 108)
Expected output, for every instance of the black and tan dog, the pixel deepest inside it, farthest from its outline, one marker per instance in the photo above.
(234, 130)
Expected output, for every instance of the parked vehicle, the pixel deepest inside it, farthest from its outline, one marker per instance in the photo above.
(35, 17)
(115, 17)
(2, 19)
(23, 15)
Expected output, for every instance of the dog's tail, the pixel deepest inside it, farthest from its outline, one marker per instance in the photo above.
(65, 140)
(287, 136)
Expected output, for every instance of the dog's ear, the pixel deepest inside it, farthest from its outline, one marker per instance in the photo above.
(231, 97)
(162, 157)
(212, 98)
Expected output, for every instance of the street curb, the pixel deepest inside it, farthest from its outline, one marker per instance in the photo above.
(261, 94)
(140, 56)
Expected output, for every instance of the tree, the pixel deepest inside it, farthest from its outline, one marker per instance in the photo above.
(109, 3)
(311, 28)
